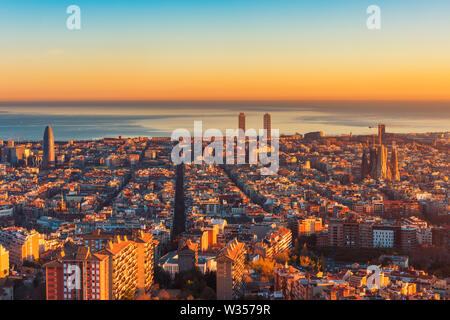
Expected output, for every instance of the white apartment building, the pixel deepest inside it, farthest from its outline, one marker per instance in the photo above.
(383, 238)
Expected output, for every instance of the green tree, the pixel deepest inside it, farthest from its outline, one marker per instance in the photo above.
(162, 277)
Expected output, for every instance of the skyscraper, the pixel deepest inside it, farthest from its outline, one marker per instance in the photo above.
(268, 127)
(242, 121)
(49, 149)
(267, 124)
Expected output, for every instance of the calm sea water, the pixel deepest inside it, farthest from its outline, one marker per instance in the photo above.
(94, 120)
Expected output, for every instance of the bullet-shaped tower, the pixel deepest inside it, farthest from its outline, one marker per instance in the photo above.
(49, 149)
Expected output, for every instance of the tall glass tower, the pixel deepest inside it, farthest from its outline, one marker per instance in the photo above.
(49, 149)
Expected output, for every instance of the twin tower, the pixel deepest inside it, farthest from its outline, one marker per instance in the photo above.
(267, 122)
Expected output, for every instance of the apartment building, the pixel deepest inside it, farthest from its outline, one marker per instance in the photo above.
(78, 275)
(23, 245)
(230, 271)
(383, 238)
(120, 270)
(309, 226)
(275, 242)
(4, 262)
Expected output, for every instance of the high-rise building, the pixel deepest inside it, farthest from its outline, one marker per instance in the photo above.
(123, 268)
(78, 275)
(146, 247)
(120, 270)
(381, 133)
(309, 226)
(386, 236)
(408, 238)
(343, 233)
(268, 128)
(242, 121)
(268, 124)
(4, 262)
(230, 271)
(275, 241)
(49, 149)
(336, 233)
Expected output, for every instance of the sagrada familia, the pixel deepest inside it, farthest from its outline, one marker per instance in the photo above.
(375, 162)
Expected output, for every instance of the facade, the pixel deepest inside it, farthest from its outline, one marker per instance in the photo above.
(78, 275)
(286, 281)
(365, 235)
(96, 240)
(351, 234)
(335, 233)
(408, 238)
(22, 245)
(187, 256)
(146, 247)
(309, 226)
(4, 262)
(6, 211)
(123, 266)
(383, 238)
(230, 271)
(119, 271)
(274, 243)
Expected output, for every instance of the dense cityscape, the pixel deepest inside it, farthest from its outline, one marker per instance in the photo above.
(115, 219)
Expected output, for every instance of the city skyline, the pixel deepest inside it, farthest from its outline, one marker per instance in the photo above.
(217, 158)
(117, 219)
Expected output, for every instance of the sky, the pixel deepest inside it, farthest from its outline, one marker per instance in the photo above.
(224, 50)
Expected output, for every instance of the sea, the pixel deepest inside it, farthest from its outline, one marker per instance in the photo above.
(26, 121)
